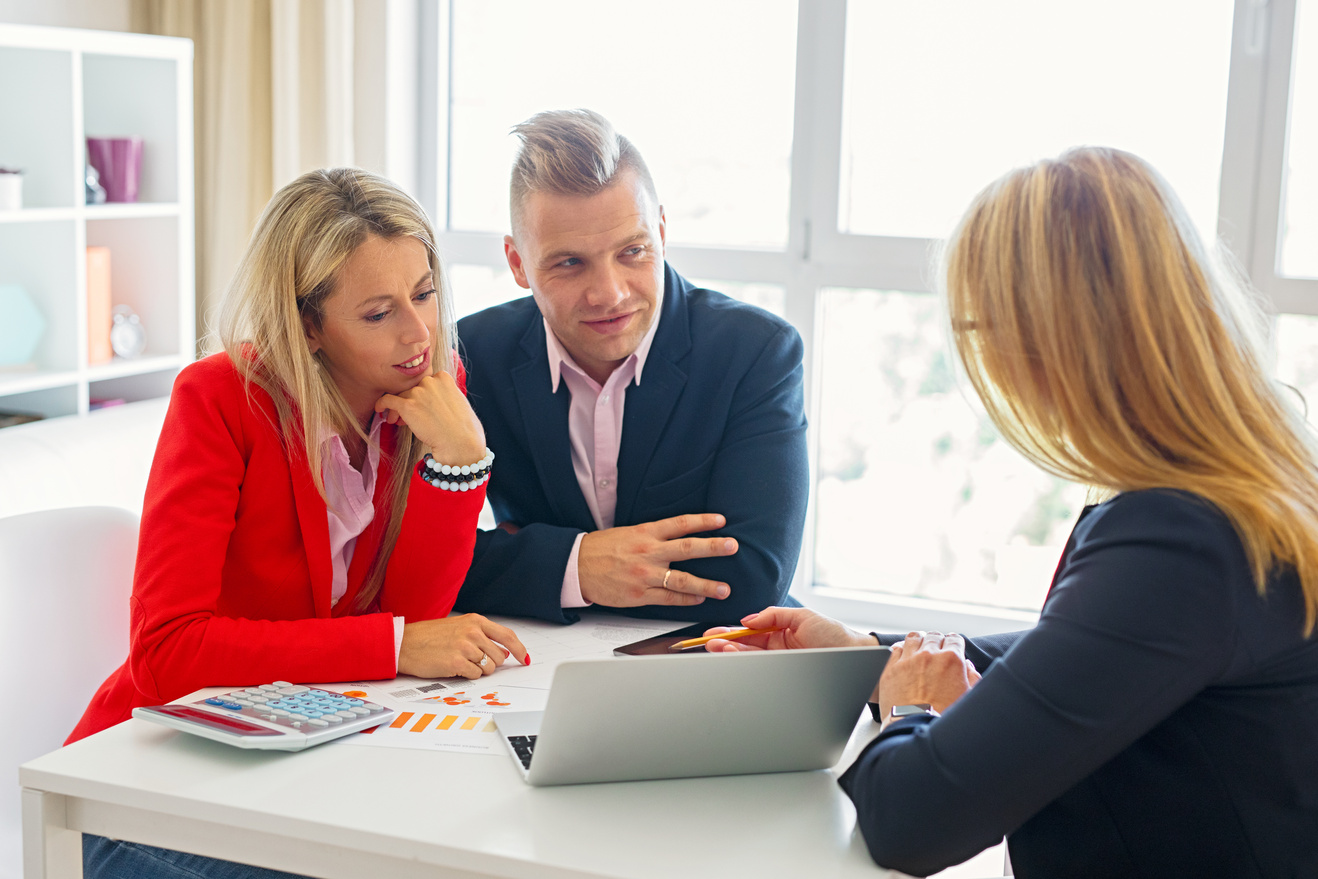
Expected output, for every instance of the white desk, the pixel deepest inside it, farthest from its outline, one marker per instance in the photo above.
(340, 811)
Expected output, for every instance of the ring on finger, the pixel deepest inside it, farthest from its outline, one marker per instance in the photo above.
(668, 573)
(485, 660)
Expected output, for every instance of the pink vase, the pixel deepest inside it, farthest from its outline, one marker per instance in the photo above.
(118, 160)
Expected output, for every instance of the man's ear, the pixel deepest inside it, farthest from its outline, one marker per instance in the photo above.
(663, 232)
(515, 262)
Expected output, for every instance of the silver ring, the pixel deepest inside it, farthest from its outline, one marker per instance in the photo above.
(668, 573)
(485, 660)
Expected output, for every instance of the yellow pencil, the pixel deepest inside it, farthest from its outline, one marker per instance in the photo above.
(726, 636)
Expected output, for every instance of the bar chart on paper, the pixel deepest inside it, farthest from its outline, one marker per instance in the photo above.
(454, 720)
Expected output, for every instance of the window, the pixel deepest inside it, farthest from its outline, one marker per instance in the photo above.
(721, 165)
(1299, 242)
(943, 96)
(810, 156)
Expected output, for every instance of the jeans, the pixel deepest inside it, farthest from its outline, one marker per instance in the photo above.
(112, 859)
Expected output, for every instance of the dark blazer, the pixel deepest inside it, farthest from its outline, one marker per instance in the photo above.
(716, 426)
(1161, 720)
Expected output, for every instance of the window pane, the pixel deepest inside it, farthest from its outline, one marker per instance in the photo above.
(943, 96)
(1296, 341)
(478, 287)
(709, 106)
(1299, 236)
(918, 495)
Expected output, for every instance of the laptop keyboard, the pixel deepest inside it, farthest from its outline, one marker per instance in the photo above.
(523, 747)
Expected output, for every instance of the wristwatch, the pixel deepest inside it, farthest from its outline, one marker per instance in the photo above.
(900, 711)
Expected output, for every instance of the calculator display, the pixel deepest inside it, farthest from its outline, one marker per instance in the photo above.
(215, 721)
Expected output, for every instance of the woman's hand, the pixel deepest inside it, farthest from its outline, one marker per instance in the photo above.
(440, 416)
(801, 628)
(465, 646)
(927, 667)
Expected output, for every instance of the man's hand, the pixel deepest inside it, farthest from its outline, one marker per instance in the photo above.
(628, 566)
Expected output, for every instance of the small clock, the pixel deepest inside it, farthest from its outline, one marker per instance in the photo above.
(127, 336)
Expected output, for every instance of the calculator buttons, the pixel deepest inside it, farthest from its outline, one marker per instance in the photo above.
(279, 712)
(317, 723)
(360, 711)
(278, 684)
(292, 690)
(332, 718)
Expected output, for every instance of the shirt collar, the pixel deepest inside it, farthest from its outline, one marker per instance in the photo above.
(559, 357)
(328, 436)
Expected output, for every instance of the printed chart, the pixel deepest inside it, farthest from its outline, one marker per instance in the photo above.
(458, 717)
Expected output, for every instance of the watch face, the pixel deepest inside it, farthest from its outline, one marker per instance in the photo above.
(127, 337)
(909, 710)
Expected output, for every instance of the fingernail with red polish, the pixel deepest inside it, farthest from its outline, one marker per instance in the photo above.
(527, 661)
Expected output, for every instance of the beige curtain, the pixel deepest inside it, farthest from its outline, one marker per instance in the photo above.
(272, 98)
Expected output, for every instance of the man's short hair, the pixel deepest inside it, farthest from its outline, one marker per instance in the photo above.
(571, 152)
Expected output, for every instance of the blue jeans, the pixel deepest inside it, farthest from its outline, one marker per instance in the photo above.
(111, 859)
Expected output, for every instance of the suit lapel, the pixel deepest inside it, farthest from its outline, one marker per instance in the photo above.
(545, 420)
(649, 407)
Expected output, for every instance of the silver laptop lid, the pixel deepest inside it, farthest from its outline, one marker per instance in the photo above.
(647, 717)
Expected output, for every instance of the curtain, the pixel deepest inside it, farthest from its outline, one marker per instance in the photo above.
(273, 97)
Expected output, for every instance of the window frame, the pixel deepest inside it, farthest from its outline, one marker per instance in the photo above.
(818, 256)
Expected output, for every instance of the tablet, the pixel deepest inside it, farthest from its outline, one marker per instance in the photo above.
(659, 644)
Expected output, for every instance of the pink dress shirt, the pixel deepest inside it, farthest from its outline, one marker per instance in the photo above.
(348, 497)
(594, 425)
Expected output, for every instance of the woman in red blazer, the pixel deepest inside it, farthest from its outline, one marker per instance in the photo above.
(264, 556)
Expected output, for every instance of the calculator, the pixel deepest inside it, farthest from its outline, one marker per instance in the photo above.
(277, 717)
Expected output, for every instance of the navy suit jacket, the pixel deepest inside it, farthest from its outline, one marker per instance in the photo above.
(1161, 720)
(716, 425)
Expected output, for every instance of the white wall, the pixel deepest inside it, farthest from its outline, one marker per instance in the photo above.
(104, 15)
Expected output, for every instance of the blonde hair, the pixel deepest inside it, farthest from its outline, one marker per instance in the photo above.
(290, 269)
(571, 152)
(1110, 349)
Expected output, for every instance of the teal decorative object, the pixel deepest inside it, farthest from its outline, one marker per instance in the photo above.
(21, 326)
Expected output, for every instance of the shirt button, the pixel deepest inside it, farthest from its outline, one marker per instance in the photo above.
(604, 399)
(604, 483)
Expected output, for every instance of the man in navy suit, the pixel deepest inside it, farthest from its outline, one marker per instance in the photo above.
(650, 434)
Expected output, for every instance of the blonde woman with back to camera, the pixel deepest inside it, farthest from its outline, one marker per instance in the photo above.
(287, 532)
(1161, 719)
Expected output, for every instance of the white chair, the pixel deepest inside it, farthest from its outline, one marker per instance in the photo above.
(65, 581)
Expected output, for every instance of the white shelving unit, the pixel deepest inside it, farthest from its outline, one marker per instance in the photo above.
(57, 87)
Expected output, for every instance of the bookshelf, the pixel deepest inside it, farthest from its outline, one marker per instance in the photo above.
(61, 86)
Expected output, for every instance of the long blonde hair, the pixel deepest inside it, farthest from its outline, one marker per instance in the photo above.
(1109, 348)
(290, 269)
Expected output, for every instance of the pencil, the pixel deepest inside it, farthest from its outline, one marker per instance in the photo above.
(726, 636)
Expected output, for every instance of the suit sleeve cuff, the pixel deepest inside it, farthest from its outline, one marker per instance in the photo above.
(571, 595)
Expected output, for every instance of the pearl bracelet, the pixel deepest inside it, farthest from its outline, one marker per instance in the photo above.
(449, 477)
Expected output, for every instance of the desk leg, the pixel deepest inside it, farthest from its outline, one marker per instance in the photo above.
(50, 849)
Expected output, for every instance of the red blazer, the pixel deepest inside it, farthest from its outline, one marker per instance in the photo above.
(232, 585)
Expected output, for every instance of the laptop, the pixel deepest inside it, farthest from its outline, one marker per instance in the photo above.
(633, 718)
